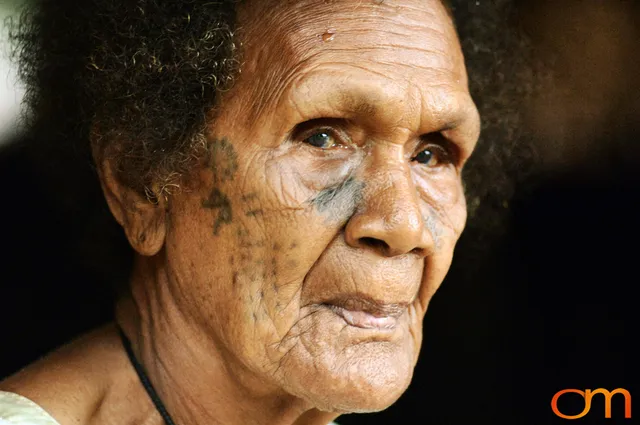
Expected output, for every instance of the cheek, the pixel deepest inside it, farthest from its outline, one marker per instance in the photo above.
(256, 227)
(298, 178)
(445, 209)
(239, 282)
(198, 263)
(298, 208)
(444, 215)
(448, 220)
(338, 202)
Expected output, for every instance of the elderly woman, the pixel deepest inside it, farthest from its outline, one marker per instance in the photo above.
(289, 176)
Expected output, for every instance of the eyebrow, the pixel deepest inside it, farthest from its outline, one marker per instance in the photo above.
(359, 104)
(363, 104)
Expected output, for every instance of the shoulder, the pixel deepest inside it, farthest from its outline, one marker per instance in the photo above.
(67, 383)
(18, 410)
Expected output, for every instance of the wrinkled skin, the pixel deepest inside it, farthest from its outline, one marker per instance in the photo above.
(314, 203)
(274, 228)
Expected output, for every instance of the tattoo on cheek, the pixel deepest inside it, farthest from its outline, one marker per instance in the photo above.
(341, 200)
(252, 204)
(219, 201)
(223, 161)
(434, 225)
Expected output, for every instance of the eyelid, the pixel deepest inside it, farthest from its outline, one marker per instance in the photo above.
(450, 149)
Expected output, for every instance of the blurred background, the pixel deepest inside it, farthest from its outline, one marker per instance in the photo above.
(550, 304)
(10, 91)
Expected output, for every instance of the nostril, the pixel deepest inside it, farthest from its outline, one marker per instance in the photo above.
(418, 251)
(385, 249)
(375, 244)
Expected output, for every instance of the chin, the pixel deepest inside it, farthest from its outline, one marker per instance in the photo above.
(335, 366)
(372, 386)
(365, 378)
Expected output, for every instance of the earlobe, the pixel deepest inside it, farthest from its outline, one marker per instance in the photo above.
(142, 220)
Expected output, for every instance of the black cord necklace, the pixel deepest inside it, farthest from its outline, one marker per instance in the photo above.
(155, 398)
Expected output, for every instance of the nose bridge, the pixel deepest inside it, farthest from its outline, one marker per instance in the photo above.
(390, 217)
(393, 193)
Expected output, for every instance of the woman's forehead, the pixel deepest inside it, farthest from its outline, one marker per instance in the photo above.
(295, 31)
(408, 43)
(297, 17)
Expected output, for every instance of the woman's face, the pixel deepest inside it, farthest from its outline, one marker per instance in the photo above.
(311, 241)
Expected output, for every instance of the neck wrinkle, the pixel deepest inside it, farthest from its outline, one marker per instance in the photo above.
(199, 382)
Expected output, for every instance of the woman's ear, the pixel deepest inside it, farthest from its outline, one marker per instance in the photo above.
(143, 221)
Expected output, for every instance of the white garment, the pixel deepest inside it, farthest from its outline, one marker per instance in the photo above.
(18, 410)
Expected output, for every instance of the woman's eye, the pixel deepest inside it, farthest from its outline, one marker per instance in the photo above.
(432, 156)
(322, 140)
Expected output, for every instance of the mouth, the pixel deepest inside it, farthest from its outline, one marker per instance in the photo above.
(365, 313)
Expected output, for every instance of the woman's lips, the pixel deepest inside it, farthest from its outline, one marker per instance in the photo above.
(360, 319)
(365, 313)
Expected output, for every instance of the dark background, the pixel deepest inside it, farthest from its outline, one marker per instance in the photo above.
(549, 305)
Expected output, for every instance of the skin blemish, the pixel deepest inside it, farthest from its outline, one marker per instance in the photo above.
(329, 35)
(340, 201)
(219, 201)
(254, 213)
(223, 160)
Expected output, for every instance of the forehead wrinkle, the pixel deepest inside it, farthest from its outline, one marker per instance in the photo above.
(411, 16)
(442, 106)
(270, 94)
(347, 98)
(290, 44)
(294, 33)
(279, 82)
(395, 106)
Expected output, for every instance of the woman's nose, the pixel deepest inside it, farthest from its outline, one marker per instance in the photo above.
(389, 219)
